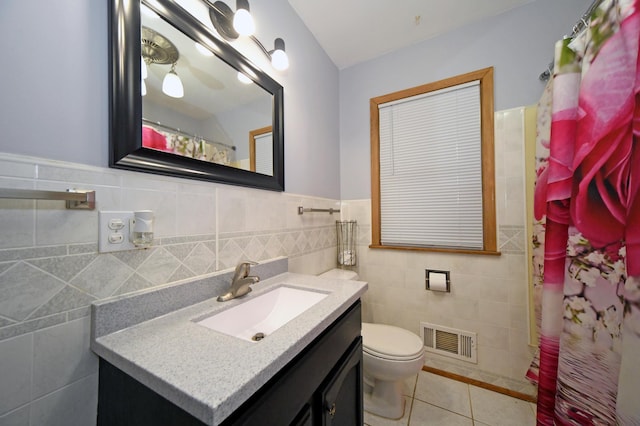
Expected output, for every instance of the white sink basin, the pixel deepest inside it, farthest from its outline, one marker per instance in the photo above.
(260, 316)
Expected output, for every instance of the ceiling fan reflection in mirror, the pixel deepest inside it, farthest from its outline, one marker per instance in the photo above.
(158, 49)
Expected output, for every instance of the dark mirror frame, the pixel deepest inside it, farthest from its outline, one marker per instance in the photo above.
(125, 113)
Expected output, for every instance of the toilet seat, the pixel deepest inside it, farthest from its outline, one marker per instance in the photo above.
(390, 342)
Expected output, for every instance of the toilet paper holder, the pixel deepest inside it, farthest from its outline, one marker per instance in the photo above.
(437, 280)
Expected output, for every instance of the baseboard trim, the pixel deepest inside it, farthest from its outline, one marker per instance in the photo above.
(480, 384)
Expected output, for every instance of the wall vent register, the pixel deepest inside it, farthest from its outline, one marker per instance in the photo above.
(449, 342)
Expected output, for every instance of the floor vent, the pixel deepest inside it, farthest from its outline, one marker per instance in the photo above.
(449, 342)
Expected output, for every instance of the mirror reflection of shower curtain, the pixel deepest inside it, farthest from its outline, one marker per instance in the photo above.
(587, 210)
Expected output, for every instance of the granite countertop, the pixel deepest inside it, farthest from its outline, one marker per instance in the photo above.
(210, 374)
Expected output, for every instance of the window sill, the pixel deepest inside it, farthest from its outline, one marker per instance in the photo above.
(437, 250)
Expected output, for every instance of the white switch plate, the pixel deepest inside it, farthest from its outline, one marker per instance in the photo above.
(107, 234)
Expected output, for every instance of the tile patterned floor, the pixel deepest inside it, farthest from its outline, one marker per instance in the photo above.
(440, 401)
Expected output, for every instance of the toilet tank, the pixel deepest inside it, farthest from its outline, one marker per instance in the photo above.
(339, 274)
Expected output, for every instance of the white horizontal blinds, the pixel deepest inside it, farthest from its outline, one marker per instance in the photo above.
(431, 169)
(264, 154)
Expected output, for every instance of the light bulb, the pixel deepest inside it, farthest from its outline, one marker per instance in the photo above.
(143, 68)
(279, 58)
(244, 79)
(242, 19)
(143, 88)
(172, 85)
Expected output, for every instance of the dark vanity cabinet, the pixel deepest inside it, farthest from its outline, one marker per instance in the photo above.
(321, 386)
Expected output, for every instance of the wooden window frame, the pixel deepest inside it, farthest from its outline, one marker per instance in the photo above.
(485, 78)
(253, 134)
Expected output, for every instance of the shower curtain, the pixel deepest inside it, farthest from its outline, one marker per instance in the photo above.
(587, 230)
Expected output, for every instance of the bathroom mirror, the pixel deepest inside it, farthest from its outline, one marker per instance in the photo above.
(208, 131)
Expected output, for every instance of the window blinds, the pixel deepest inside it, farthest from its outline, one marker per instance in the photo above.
(264, 154)
(431, 169)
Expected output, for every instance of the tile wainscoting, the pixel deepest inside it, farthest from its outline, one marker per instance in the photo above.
(42, 287)
(489, 294)
(51, 271)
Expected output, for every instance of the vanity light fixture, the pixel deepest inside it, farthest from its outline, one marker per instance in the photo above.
(242, 19)
(279, 58)
(224, 21)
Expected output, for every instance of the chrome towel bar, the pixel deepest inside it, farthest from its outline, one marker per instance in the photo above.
(330, 211)
(75, 198)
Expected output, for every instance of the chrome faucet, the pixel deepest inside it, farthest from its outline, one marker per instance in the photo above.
(241, 282)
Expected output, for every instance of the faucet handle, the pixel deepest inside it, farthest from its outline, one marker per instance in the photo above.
(242, 270)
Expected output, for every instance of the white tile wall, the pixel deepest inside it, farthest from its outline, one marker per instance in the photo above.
(61, 356)
(19, 417)
(72, 405)
(16, 372)
(50, 270)
(488, 293)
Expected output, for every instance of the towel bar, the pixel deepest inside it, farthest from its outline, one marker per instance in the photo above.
(75, 198)
(330, 211)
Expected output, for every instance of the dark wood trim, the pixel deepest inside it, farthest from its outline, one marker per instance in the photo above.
(480, 384)
(375, 172)
(252, 144)
(436, 249)
(436, 85)
(122, 400)
(485, 78)
(488, 161)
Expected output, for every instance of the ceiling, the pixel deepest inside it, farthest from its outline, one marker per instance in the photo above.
(353, 31)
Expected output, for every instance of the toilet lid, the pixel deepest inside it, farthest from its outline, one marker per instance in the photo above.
(387, 341)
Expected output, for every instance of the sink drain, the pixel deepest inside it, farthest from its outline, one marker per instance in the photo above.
(257, 337)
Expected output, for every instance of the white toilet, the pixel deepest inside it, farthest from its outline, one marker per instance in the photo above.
(390, 355)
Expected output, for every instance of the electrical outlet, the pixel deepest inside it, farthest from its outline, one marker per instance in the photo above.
(114, 231)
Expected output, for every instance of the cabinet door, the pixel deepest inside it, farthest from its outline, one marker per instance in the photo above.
(293, 393)
(341, 395)
(304, 417)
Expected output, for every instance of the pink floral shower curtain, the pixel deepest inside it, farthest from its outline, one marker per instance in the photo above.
(587, 210)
